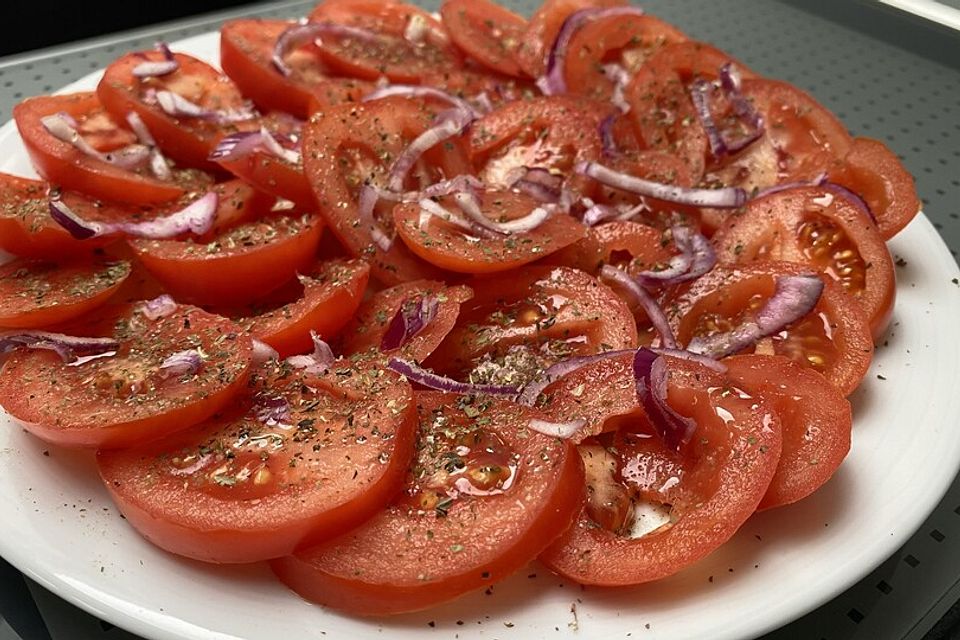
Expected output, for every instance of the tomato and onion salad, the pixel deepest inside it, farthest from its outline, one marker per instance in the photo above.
(401, 302)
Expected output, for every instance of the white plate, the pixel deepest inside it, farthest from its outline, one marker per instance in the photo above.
(60, 528)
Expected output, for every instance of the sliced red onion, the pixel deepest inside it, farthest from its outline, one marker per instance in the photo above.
(794, 298)
(553, 81)
(263, 352)
(160, 307)
(271, 409)
(158, 163)
(69, 348)
(597, 213)
(539, 183)
(820, 181)
(656, 315)
(416, 91)
(527, 223)
(63, 128)
(430, 209)
(316, 363)
(696, 257)
(610, 147)
(409, 320)
(197, 217)
(182, 363)
(300, 34)
(243, 143)
(483, 102)
(532, 390)
(563, 430)
(650, 373)
(700, 96)
(175, 105)
(155, 68)
(450, 123)
(423, 377)
(416, 30)
(366, 203)
(730, 83)
(620, 78)
(726, 198)
(854, 198)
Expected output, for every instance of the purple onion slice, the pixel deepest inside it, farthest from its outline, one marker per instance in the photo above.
(450, 123)
(69, 348)
(656, 315)
(529, 222)
(423, 377)
(63, 127)
(155, 68)
(300, 34)
(182, 363)
(243, 143)
(430, 209)
(540, 184)
(158, 163)
(620, 78)
(271, 409)
(263, 352)
(562, 430)
(794, 298)
(175, 105)
(700, 96)
(409, 320)
(318, 362)
(160, 307)
(532, 390)
(416, 91)
(696, 257)
(726, 198)
(610, 147)
(197, 217)
(650, 373)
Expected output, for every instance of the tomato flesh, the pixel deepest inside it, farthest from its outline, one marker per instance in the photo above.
(487, 32)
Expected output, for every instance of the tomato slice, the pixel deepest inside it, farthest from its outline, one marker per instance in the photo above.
(485, 496)
(485, 31)
(365, 333)
(552, 133)
(124, 399)
(833, 339)
(324, 298)
(450, 247)
(37, 294)
(187, 140)
(66, 166)
(543, 28)
(246, 52)
(815, 419)
(407, 44)
(693, 59)
(349, 146)
(518, 324)
(824, 230)
(272, 174)
(299, 460)
(702, 494)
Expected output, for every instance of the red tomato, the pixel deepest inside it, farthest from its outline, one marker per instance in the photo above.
(707, 491)
(121, 400)
(187, 140)
(824, 230)
(486, 496)
(37, 294)
(487, 32)
(815, 419)
(693, 59)
(371, 322)
(348, 146)
(246, 51)
(450, 247)
(299, 460)
(407, 43)
(518, 324)
(633, 246)
(833, 339)
(66, 166)
(327, 296)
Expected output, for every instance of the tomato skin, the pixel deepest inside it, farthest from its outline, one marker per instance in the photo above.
(86, 405)
(815, 418)
(480, 540)
(792, 224)
(62, 164)
(694, 59)
(188, 141)
(38, 294)
(282, 505)
(485, 31)
(723, 474)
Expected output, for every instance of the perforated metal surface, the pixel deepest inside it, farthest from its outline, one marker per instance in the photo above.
(877, 88)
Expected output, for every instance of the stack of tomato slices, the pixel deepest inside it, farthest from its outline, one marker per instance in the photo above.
(405, 300)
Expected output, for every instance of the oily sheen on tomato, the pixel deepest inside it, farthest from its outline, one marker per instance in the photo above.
(126, 398)
(299, 459)
(699, 496)
(485, 495)
(37, 294)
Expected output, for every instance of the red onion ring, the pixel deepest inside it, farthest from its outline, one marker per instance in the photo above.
(197, 217)
(562, 430)
(243, 143)
(696, 257)
(700, 96)
(300, 34)
(532, 390)
(449, 123)
(610, 147)
(69, 348)
(650, 373)
(430, 209)
(64, 129)
(656, 315)
(263, 352)
(416, 91)
(160, 307)
(271, 409)
(620, 78)
(408, 321)
(529, 222)
(539, 183)
(182, 363)
(726, 198)
(316, 363)
(158, 163)
(423, 377)
(175, 105)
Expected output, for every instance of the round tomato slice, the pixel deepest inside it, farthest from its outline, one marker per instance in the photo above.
(484, 497)
(485, 31)
(694, 59)
(518, 324)
(37, 294)
(352, 145)
(815, 419)
(448, 246)
(553, 133)
(127, 398)
(822, 229)
(188, 140)
(543, 28)
(376, 315)
(246, 52)
(405, 43)
(833, 339)
(324, 298)
(652, 512)
(66, 166)
(300, 459)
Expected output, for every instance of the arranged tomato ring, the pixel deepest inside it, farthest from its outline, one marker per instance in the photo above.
(487, 32)
(37, 294)
(129, 397)
(693, 59)
(301, 459)
(702, 495)
(485, 497)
